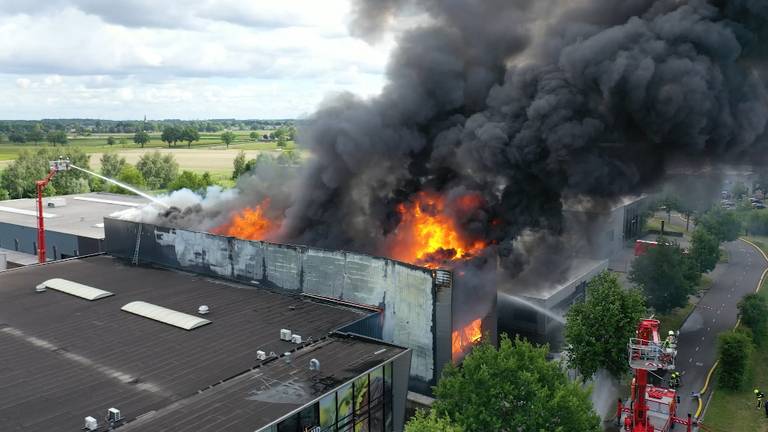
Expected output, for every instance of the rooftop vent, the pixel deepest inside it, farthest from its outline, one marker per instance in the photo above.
(91, 424)
(41, 288)
(287, 357)
(261, 355)
(203, 310)
(314, 364)
(165, 315)
(114, 415)
(296, 339)
(75, 289)
(285, 335)
(57, 202)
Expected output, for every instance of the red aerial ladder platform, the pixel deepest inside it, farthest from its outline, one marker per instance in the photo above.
(55, 166)
(651, 408)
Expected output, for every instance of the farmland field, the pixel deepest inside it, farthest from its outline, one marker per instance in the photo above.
(208, 154)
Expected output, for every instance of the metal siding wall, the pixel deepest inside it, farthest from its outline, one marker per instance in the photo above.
(27, 237)
(370, 326)
(443, 328)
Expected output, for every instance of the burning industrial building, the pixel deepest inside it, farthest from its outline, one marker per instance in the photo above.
(494, 114)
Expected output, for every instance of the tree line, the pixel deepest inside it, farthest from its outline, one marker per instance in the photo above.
(51, 130)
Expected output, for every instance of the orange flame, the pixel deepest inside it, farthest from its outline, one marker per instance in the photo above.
(251, 223)
(427, 235)
(463, 339)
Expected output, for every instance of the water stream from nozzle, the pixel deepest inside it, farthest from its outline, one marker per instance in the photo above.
(531, 305)
(123, 185)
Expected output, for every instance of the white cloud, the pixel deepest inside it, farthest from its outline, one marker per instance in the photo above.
(120, 59)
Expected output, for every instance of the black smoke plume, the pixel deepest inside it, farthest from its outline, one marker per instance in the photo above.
(527, 103)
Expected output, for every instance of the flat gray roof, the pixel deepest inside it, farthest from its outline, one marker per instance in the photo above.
(63, 358)
(83, 214)
(534, 287)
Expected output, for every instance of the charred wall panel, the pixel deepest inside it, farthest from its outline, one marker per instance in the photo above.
(324, 272)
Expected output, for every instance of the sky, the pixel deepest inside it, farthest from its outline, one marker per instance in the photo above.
(187, 59)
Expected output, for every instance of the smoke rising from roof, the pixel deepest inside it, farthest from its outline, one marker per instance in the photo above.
(524, 102)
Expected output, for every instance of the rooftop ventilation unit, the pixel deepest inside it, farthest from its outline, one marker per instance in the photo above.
(287, 357)
(91, 424)
(57, 202)
(285, 335)
(261, 355)
(113, 415)
(165, 315)
(203, 310)
(75, 289)
(314, 364)
(296, 339)
(41, 288)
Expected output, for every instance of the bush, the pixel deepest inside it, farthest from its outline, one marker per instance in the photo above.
(191, 181)
(733, 348)
(753, 312)
(757, 223)
(131, 177)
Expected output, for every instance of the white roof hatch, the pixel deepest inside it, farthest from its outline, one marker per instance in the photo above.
(76, 289)
(165, 315)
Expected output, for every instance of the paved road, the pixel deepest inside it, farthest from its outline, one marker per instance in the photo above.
(715, 313)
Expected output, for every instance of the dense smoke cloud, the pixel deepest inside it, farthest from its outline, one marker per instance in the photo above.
(595, 105)
(526, 103)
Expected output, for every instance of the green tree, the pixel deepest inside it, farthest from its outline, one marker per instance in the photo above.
(429, 422)
(111, 164)
(666, 276)
(239, 165)
(57, 137)
(281, 135)
(36, 134)
(757, 223)
(597, 330)
(705, 250)
(171, 134)
(513, 388)
(734, 349)
(254, 136)
(739, 190)
(140, 138)
(130, 176)
(262, 160)
(724, 225)
(110, 140)
(753, 312)
(157, 169)
(190, 134)
(228, 137)
(191, 181)
(28, 167)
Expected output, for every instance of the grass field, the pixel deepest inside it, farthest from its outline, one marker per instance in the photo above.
(735, 411)
(208, 154)
(654, 223)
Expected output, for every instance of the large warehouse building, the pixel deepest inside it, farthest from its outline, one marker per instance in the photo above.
(74, 224)
(81, 336)
(437, 317)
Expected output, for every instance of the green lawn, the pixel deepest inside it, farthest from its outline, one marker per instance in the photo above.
(735, 411)
(654, 224)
